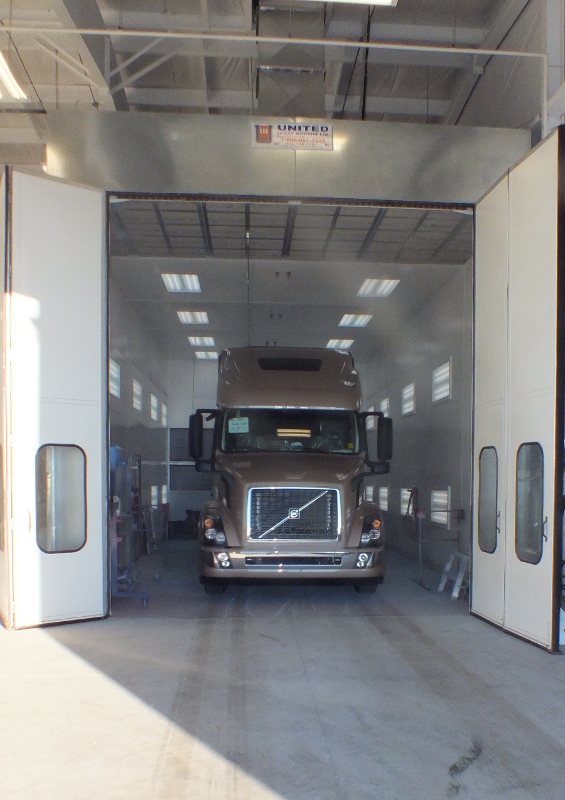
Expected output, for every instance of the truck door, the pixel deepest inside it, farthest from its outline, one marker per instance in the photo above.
(518, 431)
(55, 402)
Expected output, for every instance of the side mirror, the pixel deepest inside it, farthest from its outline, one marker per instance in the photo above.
(377, 431)
(384, 439)
(201, 438)
(195, 436)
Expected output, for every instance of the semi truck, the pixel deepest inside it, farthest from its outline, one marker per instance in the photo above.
(291, 452)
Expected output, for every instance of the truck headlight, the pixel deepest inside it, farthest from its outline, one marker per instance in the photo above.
(214, 530)
(371, 532)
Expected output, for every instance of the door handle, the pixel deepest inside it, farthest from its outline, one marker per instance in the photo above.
(543, 533)
(497, 521)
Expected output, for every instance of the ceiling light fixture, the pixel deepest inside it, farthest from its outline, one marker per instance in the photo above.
(193, 317)
(375, 287)
(9, 81)
(339, 344)
(206, 354)
(181, 283)
(202, 341)
(355, 320)
(390, 3)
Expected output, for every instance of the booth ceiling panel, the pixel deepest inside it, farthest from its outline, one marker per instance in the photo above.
(294, 299)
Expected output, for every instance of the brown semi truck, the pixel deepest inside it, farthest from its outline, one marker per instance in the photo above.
(290, 451)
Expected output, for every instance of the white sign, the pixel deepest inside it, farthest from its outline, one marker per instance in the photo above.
(292, 136)
(238, 425)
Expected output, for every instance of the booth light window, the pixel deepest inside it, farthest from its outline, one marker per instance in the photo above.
(408, 400)
(154, 408)
(370, 422)
(385, 406)
(488, 499)
(404, 500)
(440, 503)
(60, 498)
(114, 378)
(137, 395)
(529, 503)
(369, 494)
(154, 496)
(164, 499)
(163, 415)
(441, 382)
(383, 498)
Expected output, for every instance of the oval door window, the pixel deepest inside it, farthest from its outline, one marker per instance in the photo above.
(488, 499)
(529, 502)
(60, 486)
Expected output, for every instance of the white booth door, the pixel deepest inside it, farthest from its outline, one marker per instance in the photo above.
(56, 407)
(518, 448)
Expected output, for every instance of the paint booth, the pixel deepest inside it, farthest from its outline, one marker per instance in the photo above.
(127, 274)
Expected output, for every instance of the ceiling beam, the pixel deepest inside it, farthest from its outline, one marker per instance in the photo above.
(205, 229)
(86, 14)
(289, 229)
(450, 237)
(498, 31)
(330, 231)
(162, 225)
(243, 99)
(375, 225)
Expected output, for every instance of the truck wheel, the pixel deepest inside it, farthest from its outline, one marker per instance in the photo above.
(368, 587)
(215, 587)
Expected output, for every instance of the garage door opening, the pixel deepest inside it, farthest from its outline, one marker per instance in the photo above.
(190, 277)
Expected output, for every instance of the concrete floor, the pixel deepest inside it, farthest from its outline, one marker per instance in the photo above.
(279, 693)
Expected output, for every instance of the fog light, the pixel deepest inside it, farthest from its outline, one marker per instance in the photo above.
(222, 557)
(225, 564)
(364, 557)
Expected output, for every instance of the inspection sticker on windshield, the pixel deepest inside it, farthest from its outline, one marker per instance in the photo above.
(238, 425)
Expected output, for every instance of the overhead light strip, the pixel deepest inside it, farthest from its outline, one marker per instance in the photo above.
(193, 317)
(9, 81)
(339, 344)
(355, 320)
(375, 287)
(175, 282)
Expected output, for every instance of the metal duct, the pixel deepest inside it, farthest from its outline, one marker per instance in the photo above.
(290, 78)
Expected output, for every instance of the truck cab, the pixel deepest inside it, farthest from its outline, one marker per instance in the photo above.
(290, 451)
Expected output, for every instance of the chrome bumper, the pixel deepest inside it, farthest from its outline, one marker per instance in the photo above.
(268, 565)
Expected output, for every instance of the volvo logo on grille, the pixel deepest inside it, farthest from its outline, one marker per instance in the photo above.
(294, 513)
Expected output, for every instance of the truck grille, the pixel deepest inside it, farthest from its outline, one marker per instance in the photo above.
(293, 513)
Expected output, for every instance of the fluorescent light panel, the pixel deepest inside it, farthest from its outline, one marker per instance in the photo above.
(175, 282)
(202, 341)
(441, 382)
(390, 3)
(355, 320)
(408, 399)
(440, 502)
(340, 344)
(377, 287)
(193, 317)
(383, 498)
(206, 354)
(9, 81)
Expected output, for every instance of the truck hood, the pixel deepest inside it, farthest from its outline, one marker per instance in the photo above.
(272, 469)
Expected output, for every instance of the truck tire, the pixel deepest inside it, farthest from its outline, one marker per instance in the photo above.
(368, 587)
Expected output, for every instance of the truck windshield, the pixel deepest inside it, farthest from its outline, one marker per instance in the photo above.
(270, 430)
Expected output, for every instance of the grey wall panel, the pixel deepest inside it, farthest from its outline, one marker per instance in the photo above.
(172, 153)
(432, 448)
